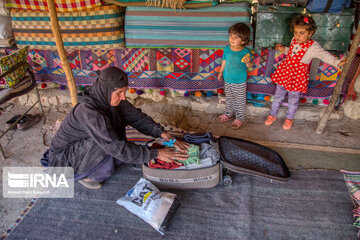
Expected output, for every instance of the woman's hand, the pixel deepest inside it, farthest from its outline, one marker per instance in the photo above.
(170, 155)
(279, 47)
(180, 145)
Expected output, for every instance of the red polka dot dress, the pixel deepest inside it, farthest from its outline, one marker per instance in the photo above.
(292, 74)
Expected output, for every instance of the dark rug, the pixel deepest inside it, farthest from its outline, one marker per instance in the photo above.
(312, 205)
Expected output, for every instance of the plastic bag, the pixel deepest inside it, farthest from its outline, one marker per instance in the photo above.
(148, 203)
(5, 27)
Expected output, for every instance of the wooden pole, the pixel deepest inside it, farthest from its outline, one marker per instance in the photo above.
(310, 147)
(60, 48)
(335, 96)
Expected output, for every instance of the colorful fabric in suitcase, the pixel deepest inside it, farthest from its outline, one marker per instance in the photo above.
(61, 5)
(97, 28)
(189, 28)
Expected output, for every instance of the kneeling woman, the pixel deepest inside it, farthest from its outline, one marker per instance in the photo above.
(92, 138)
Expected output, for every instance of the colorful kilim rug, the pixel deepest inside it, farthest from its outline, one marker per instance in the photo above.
(352, 180)
(97, 28)
(178, 69)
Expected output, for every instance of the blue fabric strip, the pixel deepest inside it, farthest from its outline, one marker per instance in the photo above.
(70, 43)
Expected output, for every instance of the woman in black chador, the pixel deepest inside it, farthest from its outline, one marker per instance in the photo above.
(92, 138)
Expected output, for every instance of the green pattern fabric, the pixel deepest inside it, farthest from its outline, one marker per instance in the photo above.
(9, 61)
(194, 155)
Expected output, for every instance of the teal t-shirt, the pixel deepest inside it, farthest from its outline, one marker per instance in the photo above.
(235, 70)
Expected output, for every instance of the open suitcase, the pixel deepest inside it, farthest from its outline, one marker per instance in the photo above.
(236, 155)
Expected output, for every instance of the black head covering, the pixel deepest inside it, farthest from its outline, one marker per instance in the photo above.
(108, 80)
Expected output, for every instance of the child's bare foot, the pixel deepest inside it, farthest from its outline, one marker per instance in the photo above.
(224, 118)
(236, 124)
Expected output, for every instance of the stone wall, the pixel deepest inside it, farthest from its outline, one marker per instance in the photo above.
(352, 108)
(60, 100)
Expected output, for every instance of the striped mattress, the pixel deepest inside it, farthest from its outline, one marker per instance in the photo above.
(189, 28)
(96, 28)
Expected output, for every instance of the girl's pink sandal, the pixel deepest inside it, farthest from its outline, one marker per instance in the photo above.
(224, 118)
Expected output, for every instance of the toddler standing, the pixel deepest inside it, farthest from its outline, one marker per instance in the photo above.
(292, 76)
(236, 59)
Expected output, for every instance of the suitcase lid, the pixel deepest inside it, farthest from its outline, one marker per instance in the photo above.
(243, 156)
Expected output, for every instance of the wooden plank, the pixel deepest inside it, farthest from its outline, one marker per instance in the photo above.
(61, 50)
(310, 147)
(303, 146)
(335, 96)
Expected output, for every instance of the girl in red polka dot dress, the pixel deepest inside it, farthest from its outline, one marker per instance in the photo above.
(292, 76)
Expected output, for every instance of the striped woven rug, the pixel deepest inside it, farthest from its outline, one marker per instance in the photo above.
(186, 28)
(96, 28)
(312, 205)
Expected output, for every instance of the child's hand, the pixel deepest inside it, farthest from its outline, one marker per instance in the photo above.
(220, 76)
(279, 47)
(246, 59)
(343, 62)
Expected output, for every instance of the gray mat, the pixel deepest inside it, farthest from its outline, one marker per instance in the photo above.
(312, 205)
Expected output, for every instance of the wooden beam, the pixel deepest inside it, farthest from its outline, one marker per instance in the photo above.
(310, 147)
(335, 96)
(320, 148)
(60, 48)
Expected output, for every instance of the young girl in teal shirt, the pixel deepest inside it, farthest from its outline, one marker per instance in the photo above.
(236, 60)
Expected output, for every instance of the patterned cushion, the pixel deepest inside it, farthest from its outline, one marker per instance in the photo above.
(61, 5)
(7, 62)
(97, 28)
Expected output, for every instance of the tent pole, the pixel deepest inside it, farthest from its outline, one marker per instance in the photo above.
(60, 48)
(335, 96)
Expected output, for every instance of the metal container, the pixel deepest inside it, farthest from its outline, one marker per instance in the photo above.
(296, 3)
(272, 27)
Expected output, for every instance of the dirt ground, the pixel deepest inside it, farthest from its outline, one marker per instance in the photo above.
(338, 147)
